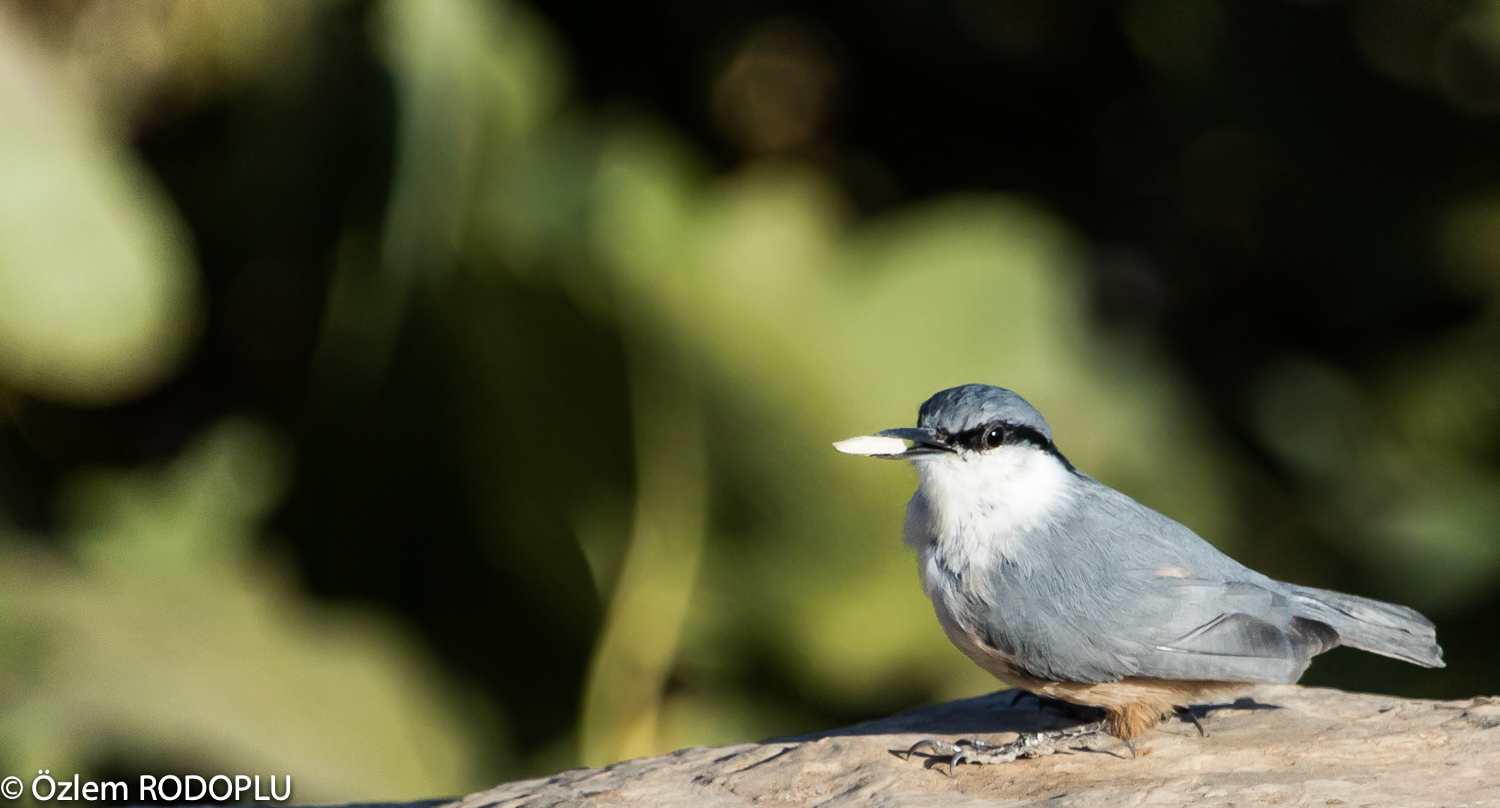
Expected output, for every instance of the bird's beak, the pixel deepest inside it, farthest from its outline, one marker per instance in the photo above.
(891, 444)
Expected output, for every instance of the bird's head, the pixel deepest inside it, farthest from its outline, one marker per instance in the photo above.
(985, 460)
(961, 423)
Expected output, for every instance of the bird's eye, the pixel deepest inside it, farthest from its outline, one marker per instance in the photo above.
(994, 437)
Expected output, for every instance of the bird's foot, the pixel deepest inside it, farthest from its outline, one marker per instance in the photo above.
(1028, 745)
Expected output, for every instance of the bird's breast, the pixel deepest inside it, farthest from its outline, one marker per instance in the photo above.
(977, 509)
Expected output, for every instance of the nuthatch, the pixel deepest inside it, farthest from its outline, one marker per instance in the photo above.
(1056, 583)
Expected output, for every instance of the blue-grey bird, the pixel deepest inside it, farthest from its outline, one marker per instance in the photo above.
(1056, 583)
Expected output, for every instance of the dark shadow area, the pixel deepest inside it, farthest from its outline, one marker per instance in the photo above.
(1013, 710)
(954, 725)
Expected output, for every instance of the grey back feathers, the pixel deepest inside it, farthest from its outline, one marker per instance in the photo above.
(1105, 588)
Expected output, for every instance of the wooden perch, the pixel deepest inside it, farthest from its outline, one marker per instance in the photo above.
(1281, 745)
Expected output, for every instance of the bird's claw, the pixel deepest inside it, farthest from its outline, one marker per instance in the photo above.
(930, 744)
(1187, 714)
(968, 750)
(1028, 745)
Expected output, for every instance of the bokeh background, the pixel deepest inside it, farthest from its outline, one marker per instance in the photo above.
(413, 395)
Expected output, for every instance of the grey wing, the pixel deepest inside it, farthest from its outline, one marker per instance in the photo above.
(1260, 630)
(1121, 590)
(1143, 624)
(1100, 599)
(1225, 630)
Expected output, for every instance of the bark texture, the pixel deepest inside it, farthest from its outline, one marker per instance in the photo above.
(1281, 745)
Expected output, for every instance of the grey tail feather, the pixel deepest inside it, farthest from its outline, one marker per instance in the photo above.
(1370, 625)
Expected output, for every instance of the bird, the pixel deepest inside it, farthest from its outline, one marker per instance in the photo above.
(1055, 583)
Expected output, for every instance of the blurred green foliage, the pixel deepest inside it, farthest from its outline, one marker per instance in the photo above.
(502, 445)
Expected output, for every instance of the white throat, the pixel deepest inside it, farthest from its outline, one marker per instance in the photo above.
(981, 505)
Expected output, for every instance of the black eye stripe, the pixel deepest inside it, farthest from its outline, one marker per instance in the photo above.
(974, 439)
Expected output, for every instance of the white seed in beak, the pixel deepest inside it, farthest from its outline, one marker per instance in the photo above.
(871, 446)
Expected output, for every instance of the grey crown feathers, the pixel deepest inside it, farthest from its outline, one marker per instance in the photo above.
(960, 409)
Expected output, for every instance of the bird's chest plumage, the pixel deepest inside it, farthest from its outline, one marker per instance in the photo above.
(976, 510)
(977, 517)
